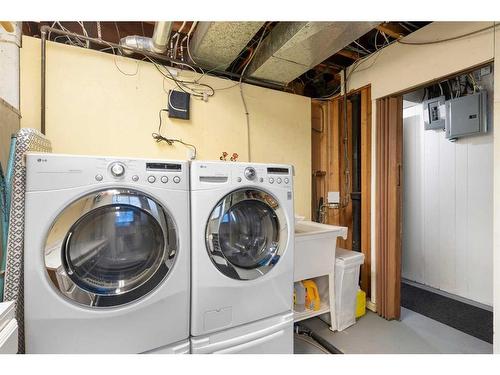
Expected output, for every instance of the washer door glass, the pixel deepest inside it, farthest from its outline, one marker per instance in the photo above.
(110, 247)
(246, 234)
(113, 249)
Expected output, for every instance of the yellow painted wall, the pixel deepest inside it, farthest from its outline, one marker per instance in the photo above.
(93, 108)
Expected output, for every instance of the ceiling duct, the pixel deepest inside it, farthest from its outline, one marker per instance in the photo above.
(217, 44)
(157, 44)
(292, 48)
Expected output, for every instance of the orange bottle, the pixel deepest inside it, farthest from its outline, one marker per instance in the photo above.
(312, 295)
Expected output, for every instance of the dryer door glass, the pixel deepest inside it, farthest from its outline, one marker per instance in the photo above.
(110, 248)
(249, 234)
(114, 249)
(246, 234)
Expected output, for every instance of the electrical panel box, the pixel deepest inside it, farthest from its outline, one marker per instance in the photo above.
(466, 115)
(178, 104)
(435, 113)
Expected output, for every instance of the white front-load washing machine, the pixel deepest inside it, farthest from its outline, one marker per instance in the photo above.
(107, 255)
(242, 244)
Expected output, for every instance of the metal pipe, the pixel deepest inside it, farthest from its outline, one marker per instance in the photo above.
(161, 35)
(157, 44)
(43, 36)
(45, 29)
(346, 140)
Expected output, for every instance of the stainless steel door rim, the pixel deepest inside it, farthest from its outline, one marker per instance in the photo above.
(110, 247)
(246, 234)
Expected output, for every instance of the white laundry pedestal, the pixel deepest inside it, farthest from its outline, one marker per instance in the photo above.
(8, 328)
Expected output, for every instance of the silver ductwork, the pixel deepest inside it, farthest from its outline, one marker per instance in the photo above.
(217, 44)
(157, 44)
(292, 48)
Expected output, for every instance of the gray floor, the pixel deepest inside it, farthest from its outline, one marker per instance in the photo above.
(415, 333)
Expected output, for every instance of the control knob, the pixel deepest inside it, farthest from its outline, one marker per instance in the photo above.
(117, 169)
(250, 173)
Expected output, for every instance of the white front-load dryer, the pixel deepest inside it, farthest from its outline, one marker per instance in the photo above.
(107, 255)
(242, 243)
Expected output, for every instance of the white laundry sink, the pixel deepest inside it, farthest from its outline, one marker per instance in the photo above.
(315, 246)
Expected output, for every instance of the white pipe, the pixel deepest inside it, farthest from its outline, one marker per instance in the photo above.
(9, 64)
(161, 35)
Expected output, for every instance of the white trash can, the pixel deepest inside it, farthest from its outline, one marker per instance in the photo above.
(347, 265)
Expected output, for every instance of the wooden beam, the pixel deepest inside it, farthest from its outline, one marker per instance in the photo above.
(349, 54)
(366, 177)
(390, 30)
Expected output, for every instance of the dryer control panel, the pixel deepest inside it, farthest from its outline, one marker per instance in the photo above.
(206, 175)
(53, 171)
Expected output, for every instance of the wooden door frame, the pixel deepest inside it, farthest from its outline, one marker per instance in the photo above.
(330, 143)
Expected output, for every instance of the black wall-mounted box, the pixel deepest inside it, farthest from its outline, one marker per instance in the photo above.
(178, 104)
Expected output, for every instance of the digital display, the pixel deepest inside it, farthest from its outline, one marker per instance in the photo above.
(277, 170)
(163, 167)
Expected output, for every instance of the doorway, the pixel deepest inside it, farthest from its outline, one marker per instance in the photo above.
(447, 218)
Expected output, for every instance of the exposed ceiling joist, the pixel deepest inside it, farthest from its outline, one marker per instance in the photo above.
(390, 30)
(349, 54)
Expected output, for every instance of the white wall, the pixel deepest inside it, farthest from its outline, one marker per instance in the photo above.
(447, 210)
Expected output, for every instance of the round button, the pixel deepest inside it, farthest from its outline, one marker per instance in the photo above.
(135, 178)
(250, 173)
(151, 179)
(98, 177)
(238, 179)
(278, 180)
(287, 180)
(164, 179)
(177, 179)
(271, 180)
(117, 169)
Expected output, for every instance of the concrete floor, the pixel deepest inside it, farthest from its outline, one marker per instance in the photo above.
(414, 334)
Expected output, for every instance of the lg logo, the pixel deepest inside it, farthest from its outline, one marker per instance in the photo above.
(40, 160)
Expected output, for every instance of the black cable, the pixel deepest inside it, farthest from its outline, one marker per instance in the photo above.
(425, 93)
(170, 141)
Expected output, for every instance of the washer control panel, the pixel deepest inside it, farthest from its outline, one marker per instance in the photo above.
(263, 174)
(47, 171)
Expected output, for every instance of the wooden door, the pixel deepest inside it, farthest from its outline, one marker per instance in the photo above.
(388, 205)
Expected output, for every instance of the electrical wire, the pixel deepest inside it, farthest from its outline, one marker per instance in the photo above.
(201, 90)
(474, 84)
(362, 47)
(447, 39)
(188, 36)
(177, 36)
(158, 137)
(99, 31)
(245, 107)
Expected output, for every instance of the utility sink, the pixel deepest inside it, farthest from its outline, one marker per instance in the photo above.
(315, 246)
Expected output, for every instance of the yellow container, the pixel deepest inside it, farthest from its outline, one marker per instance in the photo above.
(312, 295)
(360, 303)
